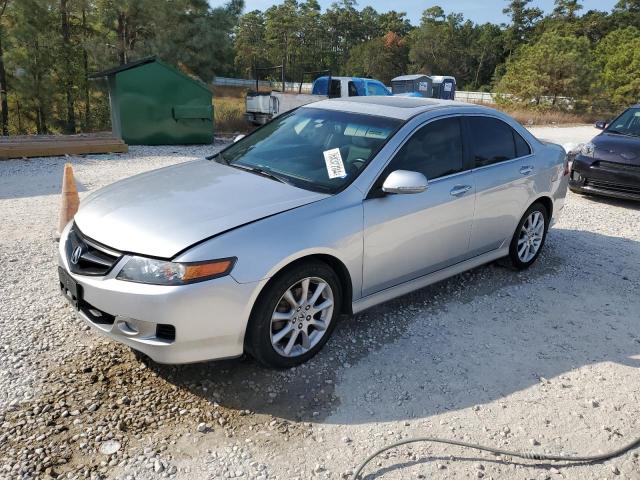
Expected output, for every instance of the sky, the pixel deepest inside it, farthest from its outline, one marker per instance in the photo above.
(480, 11)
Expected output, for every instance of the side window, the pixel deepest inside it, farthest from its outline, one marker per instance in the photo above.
(353, 91)
(491, 141)
(334, 92)
(374, 88)
(522, 147)
(435, 150)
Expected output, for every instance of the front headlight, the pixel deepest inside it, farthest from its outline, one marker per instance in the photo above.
(588, 149)
(161, 272)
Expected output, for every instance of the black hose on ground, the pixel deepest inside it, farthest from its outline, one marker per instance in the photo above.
(498, 451)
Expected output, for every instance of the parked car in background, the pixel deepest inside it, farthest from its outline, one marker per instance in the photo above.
(263, 106)
(610, 164)
(329, 209)
(341, 87)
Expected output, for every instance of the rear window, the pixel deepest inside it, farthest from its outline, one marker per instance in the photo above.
(522, 147)
(493, 141)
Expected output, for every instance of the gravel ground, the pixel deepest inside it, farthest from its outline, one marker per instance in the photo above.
(544, 360)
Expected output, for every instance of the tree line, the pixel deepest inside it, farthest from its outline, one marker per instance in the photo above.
(49, 47)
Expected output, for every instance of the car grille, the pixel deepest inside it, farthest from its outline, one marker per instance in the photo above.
(87, 257)
(619, 166)
(613, 187)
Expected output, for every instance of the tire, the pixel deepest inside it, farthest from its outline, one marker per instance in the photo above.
(267, 341)
(535, 213)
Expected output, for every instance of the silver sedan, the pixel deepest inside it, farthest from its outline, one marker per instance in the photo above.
(327, 210)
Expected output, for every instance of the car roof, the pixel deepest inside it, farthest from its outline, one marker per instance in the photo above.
(401, 108)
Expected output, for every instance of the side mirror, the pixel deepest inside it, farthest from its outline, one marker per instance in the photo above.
(238, 138)
(404, 181)
(601, 124)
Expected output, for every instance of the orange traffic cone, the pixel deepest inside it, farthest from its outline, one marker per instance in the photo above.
(70, 199)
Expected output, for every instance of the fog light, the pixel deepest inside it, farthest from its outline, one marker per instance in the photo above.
(575, 176)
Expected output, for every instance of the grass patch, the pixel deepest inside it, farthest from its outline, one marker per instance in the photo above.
(229, 109)
(231, 92)
(229, 115)
(547, 116)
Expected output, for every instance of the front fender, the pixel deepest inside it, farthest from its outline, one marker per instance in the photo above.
(332, 226)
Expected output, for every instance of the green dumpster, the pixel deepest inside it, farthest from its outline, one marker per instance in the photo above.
(153, 103)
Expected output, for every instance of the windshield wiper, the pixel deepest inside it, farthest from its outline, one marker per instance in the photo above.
(618, 132)
(220, 157)
(265, 172)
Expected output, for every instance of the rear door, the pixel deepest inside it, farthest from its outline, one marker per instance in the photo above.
(503, 171)
(410, 235)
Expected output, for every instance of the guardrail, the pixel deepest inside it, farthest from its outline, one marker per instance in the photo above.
(490, 98)
(248, 83)
(475, 97)
(461, 95)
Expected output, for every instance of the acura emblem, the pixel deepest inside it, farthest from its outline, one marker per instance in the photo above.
(75, 256)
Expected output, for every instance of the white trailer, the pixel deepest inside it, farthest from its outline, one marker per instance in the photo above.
(263, 106)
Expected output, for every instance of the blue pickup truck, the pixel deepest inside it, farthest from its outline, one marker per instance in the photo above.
(349, 87)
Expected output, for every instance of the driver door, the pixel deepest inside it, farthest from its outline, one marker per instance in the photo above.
(407, 236)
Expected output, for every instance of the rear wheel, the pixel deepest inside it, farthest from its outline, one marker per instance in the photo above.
(529, 238)
(295, 315)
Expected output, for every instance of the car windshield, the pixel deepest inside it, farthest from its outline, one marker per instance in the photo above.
(311, 148)
(628, 123)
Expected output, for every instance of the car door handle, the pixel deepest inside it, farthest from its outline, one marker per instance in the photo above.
(460, 190)
(526, 170)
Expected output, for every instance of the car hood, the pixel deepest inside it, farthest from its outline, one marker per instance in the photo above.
(617, 148)
(162, 212)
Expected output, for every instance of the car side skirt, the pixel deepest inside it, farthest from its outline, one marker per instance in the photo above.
(426, 280)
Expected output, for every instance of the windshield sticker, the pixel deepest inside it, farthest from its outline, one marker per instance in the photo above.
(333, 161)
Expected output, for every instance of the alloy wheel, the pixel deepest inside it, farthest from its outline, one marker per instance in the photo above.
(301, 317)
(531, 236)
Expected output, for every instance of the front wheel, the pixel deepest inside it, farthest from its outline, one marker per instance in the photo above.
(529, 238)
(295, 315)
